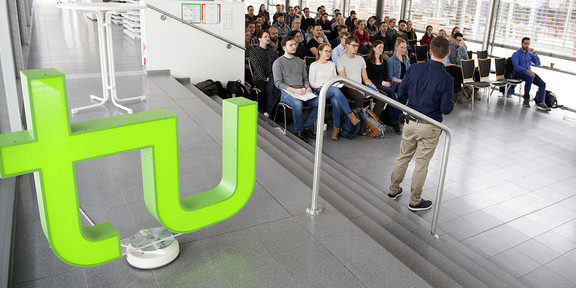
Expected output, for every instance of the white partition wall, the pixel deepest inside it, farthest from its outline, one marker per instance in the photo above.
(188, 52)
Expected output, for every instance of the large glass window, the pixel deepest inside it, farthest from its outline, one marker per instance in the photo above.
(550, 24)
(469, 15)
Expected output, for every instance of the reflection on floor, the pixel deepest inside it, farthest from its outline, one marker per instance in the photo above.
(509, 192)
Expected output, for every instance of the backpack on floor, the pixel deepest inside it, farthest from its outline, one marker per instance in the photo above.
(551, 100)
(236, 89)
(374, 127)
(208, 87)
(349, 130)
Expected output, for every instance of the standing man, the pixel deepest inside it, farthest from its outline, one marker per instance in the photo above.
(428, 88)
(522, 60)
(290, 75)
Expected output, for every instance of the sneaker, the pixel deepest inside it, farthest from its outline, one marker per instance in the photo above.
(542, 106)
(394, 197)
(527, 103)
(423, 205)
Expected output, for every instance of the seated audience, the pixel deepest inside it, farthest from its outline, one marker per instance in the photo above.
(316, 40)
(334, 16)
(354, 67)
(457, 52)
(290, 75)
(278, 12)
(363, 37)
(320, 72)
(261, 59)
(400, 33)
(427, 37)
(336, 41)
(398, 64)
(339, 21)
(251, 28)
(350, 18)
(325, 23)
(339, 50)
(372, 26)
(263, 12)
(283, 28)
(452, 38)
(391, 30)
(382, 37)
(296, 26)
(522, 60)
(377, 71)
(301, 47)
(442, 33)
(250, 17)
(410, 31)
(290, 16)
(275, 40)
(307, 20)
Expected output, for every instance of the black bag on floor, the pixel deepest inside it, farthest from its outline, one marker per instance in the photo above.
(551, 100)
(236, 89)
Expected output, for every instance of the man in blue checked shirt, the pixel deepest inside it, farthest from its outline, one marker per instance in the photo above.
(429, 89)
(522, 60)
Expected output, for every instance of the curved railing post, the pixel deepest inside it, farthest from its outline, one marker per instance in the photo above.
(314, 208)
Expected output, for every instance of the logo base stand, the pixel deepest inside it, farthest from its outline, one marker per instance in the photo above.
(151, 248)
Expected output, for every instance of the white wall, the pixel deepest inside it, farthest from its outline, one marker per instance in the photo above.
(188, 52)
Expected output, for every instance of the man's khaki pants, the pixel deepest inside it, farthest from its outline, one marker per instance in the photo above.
(420, 139)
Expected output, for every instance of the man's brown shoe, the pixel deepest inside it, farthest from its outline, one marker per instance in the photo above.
(308, 133)
(302, 136)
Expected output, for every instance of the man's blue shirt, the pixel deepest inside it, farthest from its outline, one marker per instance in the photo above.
(522, 61)
(429, 89)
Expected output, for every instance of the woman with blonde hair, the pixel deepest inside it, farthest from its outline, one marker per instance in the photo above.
(377, 71)
(320, 72)
(398, 64)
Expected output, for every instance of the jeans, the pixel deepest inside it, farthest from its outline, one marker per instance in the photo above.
(379, 106)
(529, 79)
(339, 102)
(297, 111)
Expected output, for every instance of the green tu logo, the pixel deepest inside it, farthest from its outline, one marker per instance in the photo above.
(51, 146)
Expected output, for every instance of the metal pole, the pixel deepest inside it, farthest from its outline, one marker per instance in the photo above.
(488, 26)
(402, 14)
(379, 8)
(314, 208)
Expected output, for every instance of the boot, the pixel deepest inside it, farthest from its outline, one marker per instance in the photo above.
(336, 132)
(353, 118)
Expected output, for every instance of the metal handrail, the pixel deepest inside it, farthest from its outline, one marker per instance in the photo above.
(314, 208)
(230, 43)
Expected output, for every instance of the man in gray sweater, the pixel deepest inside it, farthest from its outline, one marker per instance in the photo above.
(290, 76)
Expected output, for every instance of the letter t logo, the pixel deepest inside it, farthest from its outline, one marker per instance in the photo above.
(51, 146)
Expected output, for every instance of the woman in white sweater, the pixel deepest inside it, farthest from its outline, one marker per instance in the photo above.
(320, 72)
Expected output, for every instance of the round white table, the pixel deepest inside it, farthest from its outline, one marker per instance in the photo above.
(104, 13)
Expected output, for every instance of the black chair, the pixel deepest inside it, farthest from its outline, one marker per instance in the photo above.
(468, 76)
(481, 55)
(421, 52)
(469, 54)
(500, 64)
(484, 70)
(258, 91)
(308, 60)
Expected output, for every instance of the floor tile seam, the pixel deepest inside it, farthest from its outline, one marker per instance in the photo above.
(333, 255)
(519, 251)
(74, 269)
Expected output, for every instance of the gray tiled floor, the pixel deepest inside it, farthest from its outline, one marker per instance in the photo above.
(509, 189)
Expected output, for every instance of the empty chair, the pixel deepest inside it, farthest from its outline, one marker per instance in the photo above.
(469, 54)
(482, 54)
(468, 68)
(484, 69)
(421, 53)
(500, 64)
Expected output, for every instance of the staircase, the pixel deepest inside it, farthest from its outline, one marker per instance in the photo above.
(442, 262)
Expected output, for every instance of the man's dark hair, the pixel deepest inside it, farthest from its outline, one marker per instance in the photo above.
(440, 47)
(280, 15)
(248, 23)
(249, 6)
(525, 38)
(317, 24)
(351, 39)
(294, 32)
(401, 21)
(261, 33)
(306, 8)
(340, 27)
(384, 23)
(352, 12)
(285, 40)
(278, 5)
(458, 34)
(319, 8)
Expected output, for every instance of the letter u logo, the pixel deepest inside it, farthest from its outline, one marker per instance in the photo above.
(51, 146)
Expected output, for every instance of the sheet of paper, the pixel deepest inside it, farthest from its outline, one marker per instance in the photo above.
(305, 97)
(210, 13)
(338, 85)
(192, 13)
